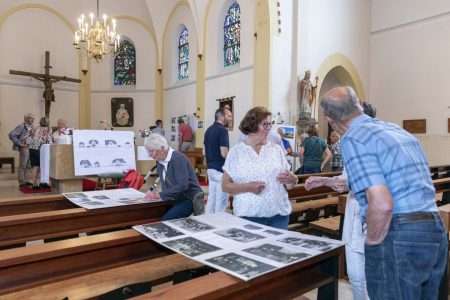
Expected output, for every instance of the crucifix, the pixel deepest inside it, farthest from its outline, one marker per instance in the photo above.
(48, 80)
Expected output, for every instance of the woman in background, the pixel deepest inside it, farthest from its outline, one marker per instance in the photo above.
(315, 152)
(40, 135)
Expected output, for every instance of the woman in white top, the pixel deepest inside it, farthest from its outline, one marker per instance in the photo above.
(257, 174)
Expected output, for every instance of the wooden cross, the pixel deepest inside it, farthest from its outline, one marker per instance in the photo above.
(48, 80)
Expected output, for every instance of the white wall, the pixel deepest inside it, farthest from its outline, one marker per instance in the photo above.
(23, 41)
(235, 80)
(327, 27)
(409, 68)
(179, 95)
(143, 93)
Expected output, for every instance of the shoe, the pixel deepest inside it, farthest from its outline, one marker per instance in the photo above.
(44, 186)
(35, 187)
(29, 183)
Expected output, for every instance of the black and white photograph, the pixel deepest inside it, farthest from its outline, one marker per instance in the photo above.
(277, 253)
(241, 265)
(119, 162)
(75, 195)
(191, 225)
(84, 163)
(251, 227)
(307, 243)
(100, 197)
(239, 235)
(161, 231)
(273, 232)
(191, 246)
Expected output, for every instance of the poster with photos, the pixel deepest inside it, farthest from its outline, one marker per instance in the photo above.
(236, 246)
(106, 198)
(103, 152)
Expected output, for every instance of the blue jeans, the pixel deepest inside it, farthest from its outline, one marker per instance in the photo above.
(410, 262)
(277, 221)
(181, 209)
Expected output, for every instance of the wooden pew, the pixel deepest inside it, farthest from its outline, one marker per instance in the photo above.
(33, 204)
(59, 269)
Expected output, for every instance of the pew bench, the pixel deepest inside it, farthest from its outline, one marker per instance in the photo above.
(7, 161)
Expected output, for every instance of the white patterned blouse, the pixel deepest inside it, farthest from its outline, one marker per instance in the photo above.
(244, 165)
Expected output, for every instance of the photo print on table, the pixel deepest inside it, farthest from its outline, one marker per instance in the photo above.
(191, 225)
(101, 197)
(190, 246)
(273, 232)
(241, 265)
(251, 227)
(307, 243)
(160, 231)
(239, 235)
(75, 195)
(277, 253)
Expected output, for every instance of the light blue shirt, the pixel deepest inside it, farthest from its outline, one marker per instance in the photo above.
(381, 153)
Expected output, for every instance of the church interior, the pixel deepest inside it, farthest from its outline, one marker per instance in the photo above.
(177, 67)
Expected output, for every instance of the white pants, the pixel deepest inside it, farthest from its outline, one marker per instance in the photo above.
(217, 199)
(354, 238)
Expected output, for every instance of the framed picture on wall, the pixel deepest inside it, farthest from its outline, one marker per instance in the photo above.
(122, 114)
(228, 104)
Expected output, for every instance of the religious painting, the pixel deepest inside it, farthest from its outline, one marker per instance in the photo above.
(122, 112)
(183, 54)
(415, 126)
(232, 36)
(125, 64)
(227, 103)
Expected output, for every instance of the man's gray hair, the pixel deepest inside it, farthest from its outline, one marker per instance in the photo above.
(156, 141)
(28, 115)
(343, 109)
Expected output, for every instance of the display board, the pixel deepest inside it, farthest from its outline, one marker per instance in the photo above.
(236, 246)
(103, 152)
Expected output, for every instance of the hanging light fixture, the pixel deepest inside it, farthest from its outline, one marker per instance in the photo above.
(96, 36)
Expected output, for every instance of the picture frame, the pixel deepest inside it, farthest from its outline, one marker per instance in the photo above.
(122, 112)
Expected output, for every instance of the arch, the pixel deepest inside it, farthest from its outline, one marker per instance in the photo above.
(124, 64)
(179, 4)
(337, 76)
(46, 8)
(146, 27)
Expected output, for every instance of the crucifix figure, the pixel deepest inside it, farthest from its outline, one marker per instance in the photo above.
(48, 80)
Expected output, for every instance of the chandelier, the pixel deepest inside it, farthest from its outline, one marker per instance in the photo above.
(96, 36)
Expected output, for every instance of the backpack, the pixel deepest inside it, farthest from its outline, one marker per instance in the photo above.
(132, 179)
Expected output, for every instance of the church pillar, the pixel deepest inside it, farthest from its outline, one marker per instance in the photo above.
(262, 86)
(159, 92)
(84, 114)
(200, 101)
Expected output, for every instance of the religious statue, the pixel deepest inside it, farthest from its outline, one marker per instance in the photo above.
(122, 115)
(306, 95)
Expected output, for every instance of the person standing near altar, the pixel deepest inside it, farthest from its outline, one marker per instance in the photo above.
(18, 137)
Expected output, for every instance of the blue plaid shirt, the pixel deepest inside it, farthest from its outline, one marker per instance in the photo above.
(380, 153)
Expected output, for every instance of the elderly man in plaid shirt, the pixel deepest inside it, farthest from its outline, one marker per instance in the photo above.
(406, 244)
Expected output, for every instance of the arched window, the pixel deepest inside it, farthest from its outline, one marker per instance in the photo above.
(232, 35)
(183, 54)
(125, 64)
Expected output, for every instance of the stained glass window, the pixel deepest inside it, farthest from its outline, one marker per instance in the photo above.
(125, 64)
(183, 54)
(232, 35)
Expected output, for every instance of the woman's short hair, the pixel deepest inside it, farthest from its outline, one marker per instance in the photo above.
(253, 118)
(312, 131)
(43, 122)
(155, 142)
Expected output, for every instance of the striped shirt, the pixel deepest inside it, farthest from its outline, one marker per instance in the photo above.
(380, 153)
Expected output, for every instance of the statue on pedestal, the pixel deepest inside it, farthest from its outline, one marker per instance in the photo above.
(306, 96)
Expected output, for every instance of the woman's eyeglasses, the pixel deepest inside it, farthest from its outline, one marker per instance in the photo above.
(267, 125)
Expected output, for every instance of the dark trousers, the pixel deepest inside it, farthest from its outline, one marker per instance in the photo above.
(410, 262)
(181, 209)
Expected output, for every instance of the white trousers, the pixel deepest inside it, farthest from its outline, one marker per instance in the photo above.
(217, 199)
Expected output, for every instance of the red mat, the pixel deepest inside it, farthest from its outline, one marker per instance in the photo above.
(29, 190)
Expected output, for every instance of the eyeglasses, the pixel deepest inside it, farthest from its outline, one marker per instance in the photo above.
(267, 125)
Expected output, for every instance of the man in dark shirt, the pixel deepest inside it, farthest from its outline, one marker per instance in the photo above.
(216, 150)
(178, 180)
